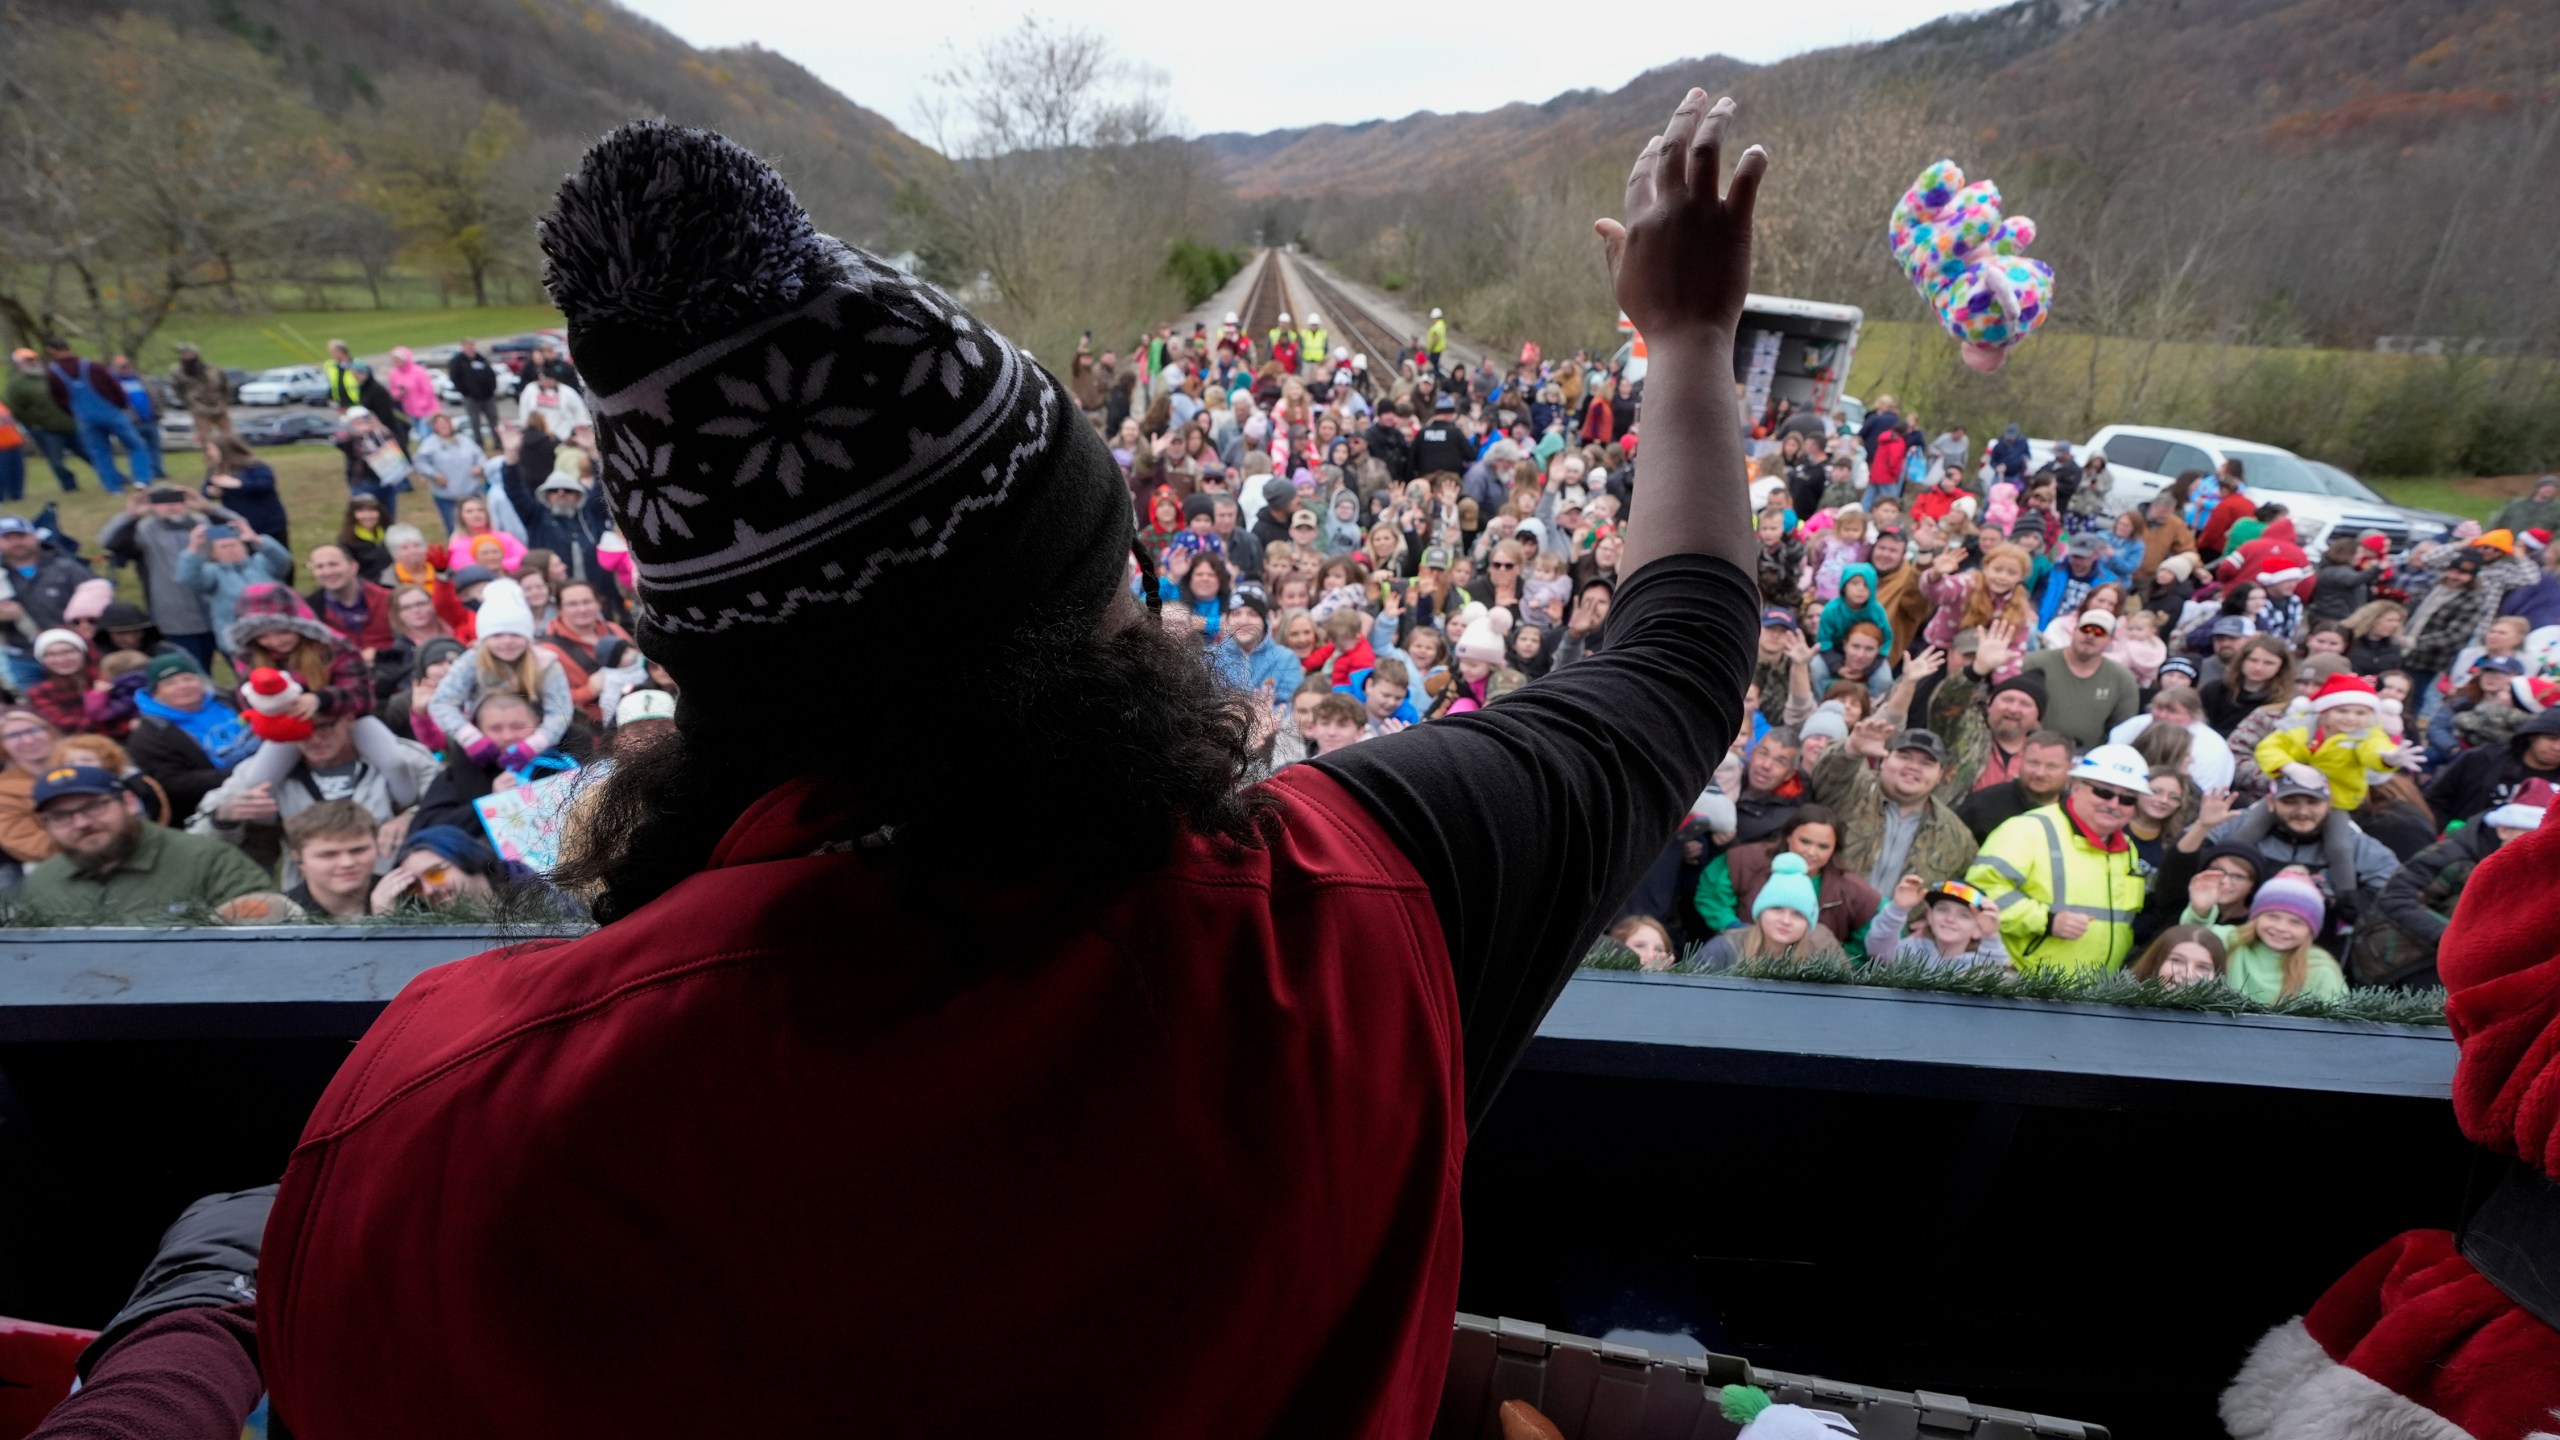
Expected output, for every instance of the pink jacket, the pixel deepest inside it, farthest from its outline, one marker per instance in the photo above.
(411, 385)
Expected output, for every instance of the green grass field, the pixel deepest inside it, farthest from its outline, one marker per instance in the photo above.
(300, 337)
(311, 476)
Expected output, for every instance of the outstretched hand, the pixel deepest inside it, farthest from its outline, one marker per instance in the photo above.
(1681, 260)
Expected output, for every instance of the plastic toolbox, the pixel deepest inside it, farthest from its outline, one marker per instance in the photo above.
(1595, 1390)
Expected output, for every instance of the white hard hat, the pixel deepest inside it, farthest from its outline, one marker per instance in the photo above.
(1231, 317)
(1284, 317)
(2119, 765)
(1315, 319)
(1435, 312)
(642, 705)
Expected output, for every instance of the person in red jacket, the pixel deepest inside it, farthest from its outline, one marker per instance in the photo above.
(2453, 1333)
(1178, 1097)
(358, 609)
(2234, 507)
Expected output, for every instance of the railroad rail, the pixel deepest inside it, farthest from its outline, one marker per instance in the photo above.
(1268, 298)
(1357, 330)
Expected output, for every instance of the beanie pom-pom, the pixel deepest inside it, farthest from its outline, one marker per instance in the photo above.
(1789, 864)
(1499, 617)
(679, 232)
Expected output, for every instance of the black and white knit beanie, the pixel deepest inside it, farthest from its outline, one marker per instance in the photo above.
(797, 438)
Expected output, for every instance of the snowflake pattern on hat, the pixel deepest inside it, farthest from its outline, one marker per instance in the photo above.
(783, 485)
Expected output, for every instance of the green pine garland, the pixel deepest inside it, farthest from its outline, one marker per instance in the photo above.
(2364, 1006)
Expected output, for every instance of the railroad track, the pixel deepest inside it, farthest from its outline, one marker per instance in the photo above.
(1353, 327)
(1268, 297)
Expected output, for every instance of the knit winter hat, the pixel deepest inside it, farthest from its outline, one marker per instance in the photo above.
(57, 636)
(1483, 638)
(1830, 718)
(503, 611)
(2293, 895)
(1788, 888)
(166, 664)
(2340, 690)
(89, 600)
(796, 435)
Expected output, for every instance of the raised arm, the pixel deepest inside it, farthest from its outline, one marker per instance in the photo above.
(1532, 818)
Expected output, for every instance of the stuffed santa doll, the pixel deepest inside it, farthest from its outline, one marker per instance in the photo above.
(269, 697)
(2443, 1335)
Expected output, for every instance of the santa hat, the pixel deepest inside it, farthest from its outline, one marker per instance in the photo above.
(2525, 810)
(2375, 541)
(796, 436)
(2534, 541)
(2533, 693)
(2340, 690)
(2437, 1333)
(1482, 640)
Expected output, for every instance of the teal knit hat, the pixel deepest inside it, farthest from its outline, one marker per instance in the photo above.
(1789, 888)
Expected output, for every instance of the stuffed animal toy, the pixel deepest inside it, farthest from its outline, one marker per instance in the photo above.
(1970, 263)
(1762, 1418)
(270, 695)
(1748, 1406)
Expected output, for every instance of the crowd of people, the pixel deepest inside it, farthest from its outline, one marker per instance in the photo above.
(414, 676)
(2003, 715)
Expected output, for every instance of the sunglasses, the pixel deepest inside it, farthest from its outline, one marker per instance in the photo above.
(2095, 630)
(1505, 565)
(2114, 796)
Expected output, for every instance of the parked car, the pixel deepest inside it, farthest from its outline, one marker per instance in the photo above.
(2321, 498)
(287, 385)
(286, 429)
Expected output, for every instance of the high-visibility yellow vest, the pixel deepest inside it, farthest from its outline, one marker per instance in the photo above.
(1437, 339)
(2037, 866)
(345, 391)
(1311, 345)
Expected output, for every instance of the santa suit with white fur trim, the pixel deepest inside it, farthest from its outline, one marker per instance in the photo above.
(2444, 1334)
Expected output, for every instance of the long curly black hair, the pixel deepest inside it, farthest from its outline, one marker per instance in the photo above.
(1115, 732)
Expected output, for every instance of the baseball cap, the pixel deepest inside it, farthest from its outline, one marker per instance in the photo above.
(644, 705)
(1303, 520)
(2235, 625)
(1924, 741)
(1957, 892)
(1775, 618)
(75, 780)
(166, 494)
(2097, 620)
(14, 525)
(1446, 401)
(2299, 780)
(2087, 546)
(1436, 557)
(470, 575)
(2499, 665)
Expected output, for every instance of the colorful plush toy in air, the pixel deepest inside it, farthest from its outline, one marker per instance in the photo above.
(1970, 264)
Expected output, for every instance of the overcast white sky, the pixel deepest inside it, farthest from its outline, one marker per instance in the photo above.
(1257, 68)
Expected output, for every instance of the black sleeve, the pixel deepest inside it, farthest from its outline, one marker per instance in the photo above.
(1532, 819)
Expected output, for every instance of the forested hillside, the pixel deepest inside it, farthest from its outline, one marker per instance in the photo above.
(227, 154)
